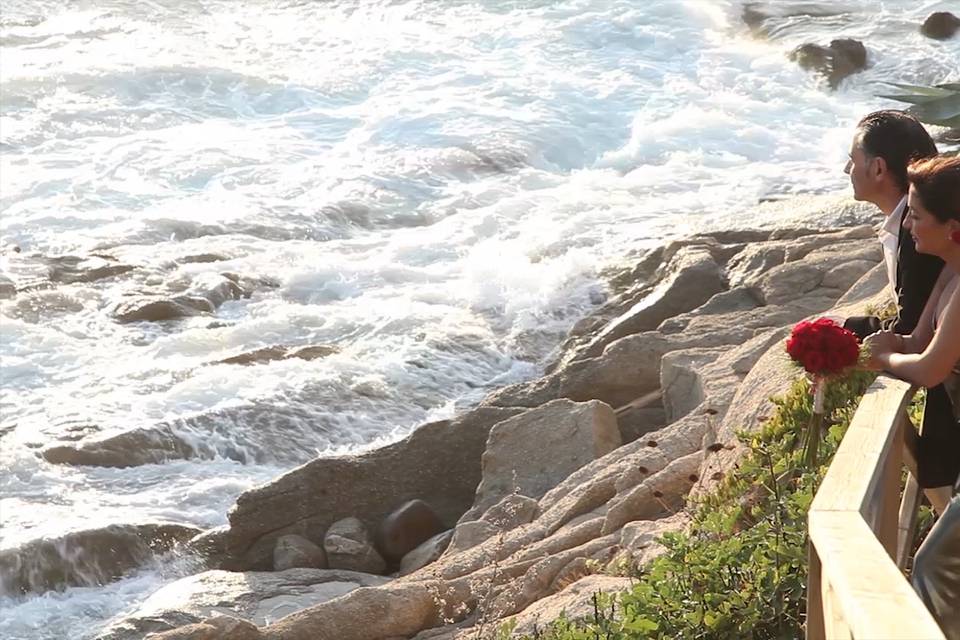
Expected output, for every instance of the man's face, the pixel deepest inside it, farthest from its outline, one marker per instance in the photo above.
(862, 170)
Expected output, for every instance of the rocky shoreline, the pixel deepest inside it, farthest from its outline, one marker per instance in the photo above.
(521, 507)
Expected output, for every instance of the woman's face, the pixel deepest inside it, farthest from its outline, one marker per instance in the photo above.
(930, 235)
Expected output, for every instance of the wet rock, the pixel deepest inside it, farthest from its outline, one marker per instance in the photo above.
(128, 449)
(348, 546)
(406, 529)
(87, 558)
(841, 59)
(940, 25)
(269, 354)
(72, 269)
(202, 297)
(293, 552)
(369, 485)
(256, 597)
(7, 288)
(202, 258)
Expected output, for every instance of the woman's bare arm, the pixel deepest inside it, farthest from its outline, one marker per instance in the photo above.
(932, 366)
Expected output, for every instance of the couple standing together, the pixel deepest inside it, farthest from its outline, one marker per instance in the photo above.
(894, 164)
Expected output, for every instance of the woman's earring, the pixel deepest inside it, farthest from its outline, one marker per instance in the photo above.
(955, 236)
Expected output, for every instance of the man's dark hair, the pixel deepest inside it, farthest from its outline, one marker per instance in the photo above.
(898, 138)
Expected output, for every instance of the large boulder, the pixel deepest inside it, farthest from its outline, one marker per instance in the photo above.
(87, 558)
(407, 528)
(254, 597)
(690, 279)
(368, 486)
(533, 452)
(940, 25)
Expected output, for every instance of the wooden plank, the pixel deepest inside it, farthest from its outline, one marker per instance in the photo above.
(855, 476)
(813, 628)
(873, 597)
(907, 521)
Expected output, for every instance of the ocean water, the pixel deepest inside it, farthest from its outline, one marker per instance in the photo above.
(430, 187)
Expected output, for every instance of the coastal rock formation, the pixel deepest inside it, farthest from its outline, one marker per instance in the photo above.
(203, 296)
(530, 533)
(837, 61)
(310, 498)
(255, 597)
(86, 558)
(533, 452)
(940, 25)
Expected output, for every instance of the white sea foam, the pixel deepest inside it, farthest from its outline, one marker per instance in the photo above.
(431, 188)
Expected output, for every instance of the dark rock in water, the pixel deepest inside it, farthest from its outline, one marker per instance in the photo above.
(940, 25)
(201, 299)
(7, 288)
(369, 486)
(841, 59)
(86, 558)
(158, 309)
(72, 269)
(257, 597)
(128, 449)
(406, 529)
(269, 354)
(202, 258)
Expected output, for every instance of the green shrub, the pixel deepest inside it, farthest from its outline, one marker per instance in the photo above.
(740, 571)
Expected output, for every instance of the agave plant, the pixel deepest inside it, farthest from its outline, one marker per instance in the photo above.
(939, 104)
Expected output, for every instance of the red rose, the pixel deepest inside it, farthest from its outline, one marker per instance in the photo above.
(822, 347)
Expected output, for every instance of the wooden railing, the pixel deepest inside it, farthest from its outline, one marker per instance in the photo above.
(861, 531)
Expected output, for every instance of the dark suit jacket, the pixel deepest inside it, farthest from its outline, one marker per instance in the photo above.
(916, 275)
(938, 447)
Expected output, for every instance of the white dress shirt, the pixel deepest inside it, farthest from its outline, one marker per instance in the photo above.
(889, 235)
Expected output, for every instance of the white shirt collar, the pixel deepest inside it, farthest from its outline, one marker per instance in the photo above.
(892, 224)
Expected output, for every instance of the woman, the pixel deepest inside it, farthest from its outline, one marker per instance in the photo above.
(930, 357)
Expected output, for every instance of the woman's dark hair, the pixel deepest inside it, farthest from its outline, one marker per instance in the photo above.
(937, 182)
(898, 138)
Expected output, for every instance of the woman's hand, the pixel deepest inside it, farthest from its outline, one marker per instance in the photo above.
(881, 342)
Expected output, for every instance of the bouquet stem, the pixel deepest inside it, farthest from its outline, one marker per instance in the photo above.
(811, 441)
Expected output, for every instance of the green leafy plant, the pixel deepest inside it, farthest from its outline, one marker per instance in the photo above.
(939, 104)
(740, 572)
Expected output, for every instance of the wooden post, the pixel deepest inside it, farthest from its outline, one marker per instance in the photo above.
(814, 624)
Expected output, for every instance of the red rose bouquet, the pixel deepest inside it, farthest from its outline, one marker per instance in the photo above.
(824, 349)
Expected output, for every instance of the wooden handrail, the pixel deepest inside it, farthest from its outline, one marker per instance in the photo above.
(855, 587)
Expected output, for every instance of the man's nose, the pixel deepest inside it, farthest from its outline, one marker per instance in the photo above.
(848, 166)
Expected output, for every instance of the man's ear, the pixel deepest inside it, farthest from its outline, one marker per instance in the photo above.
(879, 167)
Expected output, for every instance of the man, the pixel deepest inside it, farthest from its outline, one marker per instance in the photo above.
(884, 144)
